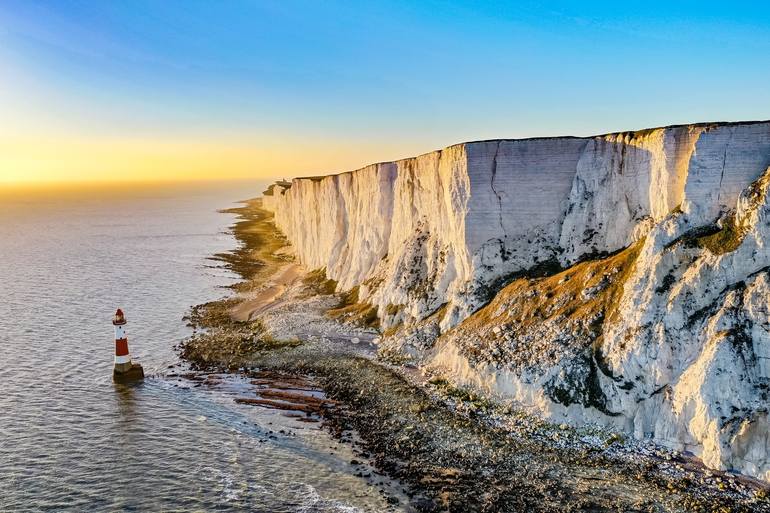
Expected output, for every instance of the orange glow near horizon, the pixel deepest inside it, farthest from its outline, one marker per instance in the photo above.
(79, 160)
(51, 159)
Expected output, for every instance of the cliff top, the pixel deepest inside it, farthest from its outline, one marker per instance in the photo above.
(631, 133)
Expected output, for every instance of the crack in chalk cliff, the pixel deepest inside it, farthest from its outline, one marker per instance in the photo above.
(341, 247)
(622, 164)
(724, 165)
(492, 186)
(631, 213)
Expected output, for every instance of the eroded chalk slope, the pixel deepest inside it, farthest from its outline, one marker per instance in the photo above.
(619, 279)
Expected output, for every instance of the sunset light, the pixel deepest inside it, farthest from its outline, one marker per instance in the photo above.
(384, 256)
(211, 90)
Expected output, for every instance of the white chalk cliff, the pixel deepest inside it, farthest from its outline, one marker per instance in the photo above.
(622, 279)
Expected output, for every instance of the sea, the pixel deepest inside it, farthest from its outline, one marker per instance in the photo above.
(70, 438)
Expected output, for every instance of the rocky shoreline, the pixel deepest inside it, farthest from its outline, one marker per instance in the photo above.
(451, 449)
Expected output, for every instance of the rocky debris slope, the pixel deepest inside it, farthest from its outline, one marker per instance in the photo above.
(439, 439)
(447, 226)
(669, 339)
(635, 265)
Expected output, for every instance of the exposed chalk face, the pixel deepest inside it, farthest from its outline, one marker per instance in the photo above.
(518, 186)
(624, 182)
(442, 229)
(726, 159)
(685, 359)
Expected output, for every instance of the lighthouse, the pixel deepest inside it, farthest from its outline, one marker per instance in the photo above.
(124, 370)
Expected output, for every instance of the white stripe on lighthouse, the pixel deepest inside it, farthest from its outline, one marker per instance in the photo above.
(123, 359)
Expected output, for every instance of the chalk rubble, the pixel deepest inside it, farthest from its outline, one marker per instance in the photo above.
(428, 241)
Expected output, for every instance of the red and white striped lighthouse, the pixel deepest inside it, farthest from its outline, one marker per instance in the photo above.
(124, 369)
(122, 357)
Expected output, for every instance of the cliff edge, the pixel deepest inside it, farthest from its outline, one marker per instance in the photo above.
(620, 279)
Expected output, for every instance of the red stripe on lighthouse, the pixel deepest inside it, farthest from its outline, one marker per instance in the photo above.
(121, 347)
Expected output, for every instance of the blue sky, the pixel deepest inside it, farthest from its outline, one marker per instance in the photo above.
(325, 86)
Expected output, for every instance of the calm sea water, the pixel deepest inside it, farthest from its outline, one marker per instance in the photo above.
(70, 439)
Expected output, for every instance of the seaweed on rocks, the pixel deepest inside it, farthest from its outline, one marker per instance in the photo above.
(220, 342)
(259, 242)
(450, 459)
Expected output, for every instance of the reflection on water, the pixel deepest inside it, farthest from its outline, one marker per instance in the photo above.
(70, 439)
(126, 402)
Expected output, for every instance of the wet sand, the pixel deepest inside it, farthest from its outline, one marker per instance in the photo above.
(269, 296)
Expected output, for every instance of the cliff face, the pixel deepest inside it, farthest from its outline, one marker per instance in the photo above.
(669, 338)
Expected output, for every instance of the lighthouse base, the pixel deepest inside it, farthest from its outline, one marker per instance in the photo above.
(127, 372)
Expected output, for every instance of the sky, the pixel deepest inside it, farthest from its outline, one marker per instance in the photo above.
(188, 89)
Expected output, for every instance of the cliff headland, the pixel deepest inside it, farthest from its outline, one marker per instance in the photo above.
(619, 280)
(452, 444)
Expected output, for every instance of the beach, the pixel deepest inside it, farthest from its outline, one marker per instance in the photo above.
(72, 440)
(451, 449)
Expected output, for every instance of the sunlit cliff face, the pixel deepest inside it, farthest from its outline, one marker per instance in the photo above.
(667, 339)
